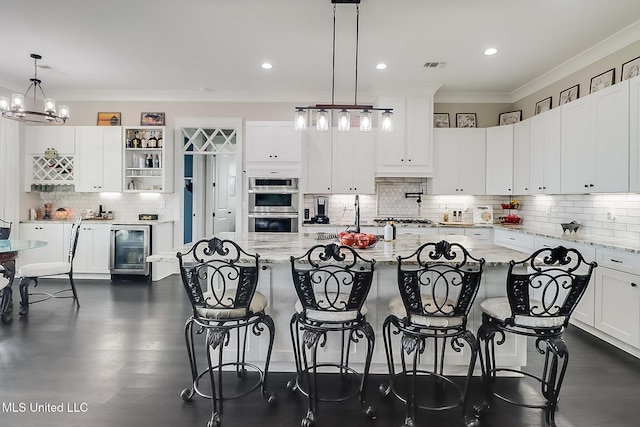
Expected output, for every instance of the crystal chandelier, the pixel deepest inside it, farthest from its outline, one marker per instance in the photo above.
(17, 110)
(344, 115)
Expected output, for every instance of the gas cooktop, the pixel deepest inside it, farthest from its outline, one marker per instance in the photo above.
(403, 220)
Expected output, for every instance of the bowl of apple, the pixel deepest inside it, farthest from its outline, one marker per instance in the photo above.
(357, 240)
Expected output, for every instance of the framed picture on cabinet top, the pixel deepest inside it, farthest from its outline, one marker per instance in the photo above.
(152, 119)
(630, 69)
(603, 80)
(466, 120)
(109, 119)
(510, 118)
(570, 94)
(440, 120)
(544, 105)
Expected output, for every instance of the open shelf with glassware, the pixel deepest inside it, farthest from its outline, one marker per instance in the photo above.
(145, 167)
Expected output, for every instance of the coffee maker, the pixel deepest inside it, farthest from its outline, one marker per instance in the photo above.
(321, 209)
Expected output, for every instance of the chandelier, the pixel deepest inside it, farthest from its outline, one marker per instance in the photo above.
(344, 115)
(17, 110)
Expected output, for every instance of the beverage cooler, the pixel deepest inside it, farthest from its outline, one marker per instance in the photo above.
(130, 247)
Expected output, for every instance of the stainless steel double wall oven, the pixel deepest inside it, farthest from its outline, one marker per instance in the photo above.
(273, 205)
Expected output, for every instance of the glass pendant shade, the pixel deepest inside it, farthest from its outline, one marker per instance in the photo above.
(17, 102)
(4, 103)
(365, 121)
(344, 120)
(49, 106)
(387, 122)
(300, 120)
(322, 120)
(64, 111)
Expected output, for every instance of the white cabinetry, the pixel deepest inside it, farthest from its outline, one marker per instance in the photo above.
(595, 140)
(318, 162)
(634, 134)
(40, 138)
(353, 162)
(545, 152)
(499, 160)
(618, 295)
(459, 156)
(273, 149)
(514, 240)
(408, 150)
(98, 158)
(147, 159)
(521, 158)
(42, 170)
(92, 253)
(51, 232)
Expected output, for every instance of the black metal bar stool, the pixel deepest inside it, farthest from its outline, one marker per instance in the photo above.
(332, 283)
(438, 284)
(7, 268)
(220, 279)
(542, 292)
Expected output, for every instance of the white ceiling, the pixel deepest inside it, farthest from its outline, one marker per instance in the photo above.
(213, 49)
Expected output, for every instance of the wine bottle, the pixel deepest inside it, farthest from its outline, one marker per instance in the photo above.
(159, 142)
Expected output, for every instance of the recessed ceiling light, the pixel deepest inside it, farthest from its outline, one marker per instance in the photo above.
(267, 66)
(381, 66)
(491, 51)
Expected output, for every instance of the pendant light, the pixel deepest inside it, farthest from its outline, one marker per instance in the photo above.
(17, 110)
(344, 114)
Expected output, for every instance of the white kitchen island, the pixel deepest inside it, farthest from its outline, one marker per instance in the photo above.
(275, 282)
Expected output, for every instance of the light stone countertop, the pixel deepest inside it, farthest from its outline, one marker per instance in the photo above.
(98, 221)
(627, 245)
(276, 248)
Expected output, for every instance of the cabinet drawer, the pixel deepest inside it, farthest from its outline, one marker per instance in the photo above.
(618, 260)
(514, 240)
(478, 233)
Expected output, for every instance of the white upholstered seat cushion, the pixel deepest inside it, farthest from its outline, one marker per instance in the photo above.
(331, 315)
(258, 304)
(499, 308)
(397, 308)
(41, 269)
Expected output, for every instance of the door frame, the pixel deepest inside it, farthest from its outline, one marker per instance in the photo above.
(205, 122)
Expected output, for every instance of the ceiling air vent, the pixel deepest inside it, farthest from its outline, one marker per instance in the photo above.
(434, 64)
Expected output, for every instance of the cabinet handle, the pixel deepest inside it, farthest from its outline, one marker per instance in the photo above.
(633, 285)
(615, 260)
(402, 160)
(539, 188)
(409, 159)
(590, 185)
(525, 188)
(586, 186)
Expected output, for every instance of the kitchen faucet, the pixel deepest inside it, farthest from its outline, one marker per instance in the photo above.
(357, 209)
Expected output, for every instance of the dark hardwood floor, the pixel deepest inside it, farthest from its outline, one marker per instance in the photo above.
(120, 360)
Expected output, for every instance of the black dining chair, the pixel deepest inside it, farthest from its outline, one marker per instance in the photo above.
(221, 281)
(332, 283)
(30, 273)
(437, 287)
(541, 293)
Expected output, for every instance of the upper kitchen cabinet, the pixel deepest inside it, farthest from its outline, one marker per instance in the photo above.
(273, 149)
(38, 139)
(459, 155)
(521, 158)
(50, 157)
(353, 163)
(545, 152)
(99, 158)
(595, 142)
(634, 134)
(147, 159)
(499, 160)
(319, 161)
(407, 151)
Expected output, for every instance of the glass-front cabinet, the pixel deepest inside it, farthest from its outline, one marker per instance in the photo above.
(147, 167)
